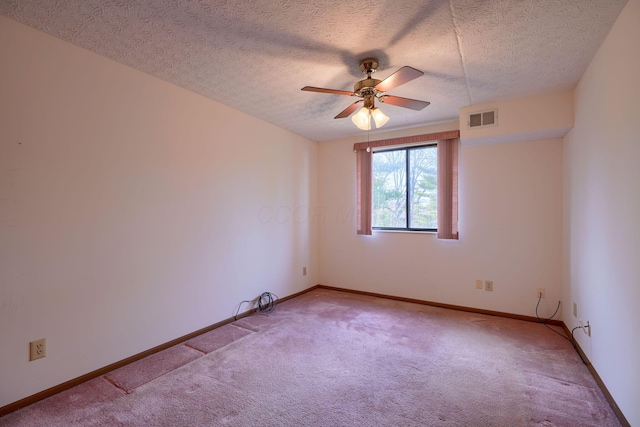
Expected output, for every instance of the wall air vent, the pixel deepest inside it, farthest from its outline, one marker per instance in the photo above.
(482, 119)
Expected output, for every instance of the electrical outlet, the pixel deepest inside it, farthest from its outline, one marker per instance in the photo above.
(575, 309)
(540, 293)
(488, 285)
(304, 271)
(478, 283)
(586, 328)
(37, 349)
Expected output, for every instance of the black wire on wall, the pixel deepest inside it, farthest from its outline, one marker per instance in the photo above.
(572, 340)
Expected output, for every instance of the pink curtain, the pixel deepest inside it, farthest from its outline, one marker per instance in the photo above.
(448, 189)
(363, 171)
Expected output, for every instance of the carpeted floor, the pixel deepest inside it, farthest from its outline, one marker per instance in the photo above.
(331, 358)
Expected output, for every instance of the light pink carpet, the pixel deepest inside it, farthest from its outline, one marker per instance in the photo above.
(331, 358)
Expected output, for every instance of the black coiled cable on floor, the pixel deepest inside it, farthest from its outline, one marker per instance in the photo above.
(267, 302)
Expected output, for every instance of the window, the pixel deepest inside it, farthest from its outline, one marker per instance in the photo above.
(446, 151)
(405, 188)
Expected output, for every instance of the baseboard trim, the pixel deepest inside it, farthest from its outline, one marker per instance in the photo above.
(29, 400)
(442, 305)
(603, 388)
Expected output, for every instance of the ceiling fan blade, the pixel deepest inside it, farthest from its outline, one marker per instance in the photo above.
(322, 90)
(414, 104)
(347, 111)
(402, 76)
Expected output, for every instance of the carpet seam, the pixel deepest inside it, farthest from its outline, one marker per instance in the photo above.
(245, 328)
(248, 328)
(558, 379)
(197, 349)
(204, 353)
(113, 383)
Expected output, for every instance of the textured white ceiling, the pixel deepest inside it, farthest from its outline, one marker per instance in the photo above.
(255, 55)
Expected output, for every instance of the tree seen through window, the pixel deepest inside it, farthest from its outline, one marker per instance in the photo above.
(405, 188)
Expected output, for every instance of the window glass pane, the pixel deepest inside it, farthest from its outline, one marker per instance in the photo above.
(423, 187)
(389, 189)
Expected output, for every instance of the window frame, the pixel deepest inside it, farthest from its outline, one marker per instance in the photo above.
(406, 149)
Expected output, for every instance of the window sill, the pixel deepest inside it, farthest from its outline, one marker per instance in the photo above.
(404, 231)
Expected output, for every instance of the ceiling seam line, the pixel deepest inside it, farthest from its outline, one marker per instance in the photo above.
(460, 53)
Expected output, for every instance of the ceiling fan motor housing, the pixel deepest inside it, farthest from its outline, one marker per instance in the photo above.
(365, 86)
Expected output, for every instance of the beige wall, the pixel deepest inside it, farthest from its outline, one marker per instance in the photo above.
(602, 212)
(133, 212)
(510, 231)
(544, 116)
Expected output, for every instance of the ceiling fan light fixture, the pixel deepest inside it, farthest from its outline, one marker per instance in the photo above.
(379, 117)
(362, 119)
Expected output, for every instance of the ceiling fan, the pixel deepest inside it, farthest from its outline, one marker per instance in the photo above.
(370, 89)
